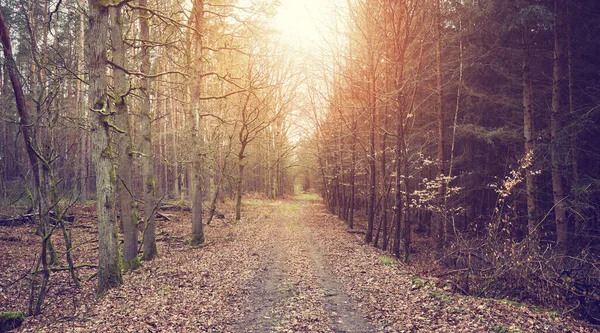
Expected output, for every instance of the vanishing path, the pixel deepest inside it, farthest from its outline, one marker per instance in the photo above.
(296, 290)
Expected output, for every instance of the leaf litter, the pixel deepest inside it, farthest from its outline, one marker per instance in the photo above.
(288, 266)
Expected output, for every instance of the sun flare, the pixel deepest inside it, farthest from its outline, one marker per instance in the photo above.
(306, 23)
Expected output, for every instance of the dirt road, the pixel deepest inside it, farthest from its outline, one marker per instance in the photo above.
(295, 290)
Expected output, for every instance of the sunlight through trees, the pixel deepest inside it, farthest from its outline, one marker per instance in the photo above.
(456, 132)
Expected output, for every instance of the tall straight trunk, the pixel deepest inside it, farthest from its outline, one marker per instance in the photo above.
(529, 136)
(399, 216)
(459, 85)
(399, 205)
(125, 187)
(268, 167)
(197, 183)
(340, 197)
(83, 144)
(441, 224)
(571, 84)
(238, 203)
(150, 250)
(372, 162)
(560, 205)
(384, 192)
(243, 136)
(173, 144)
(109, 272)
(458, 97)
(352, 173)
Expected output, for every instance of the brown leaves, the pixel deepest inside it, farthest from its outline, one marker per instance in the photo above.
(286, 267)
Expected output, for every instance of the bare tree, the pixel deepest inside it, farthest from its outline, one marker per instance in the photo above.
(109, 271)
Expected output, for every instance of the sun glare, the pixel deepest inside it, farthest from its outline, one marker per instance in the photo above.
(307, 23)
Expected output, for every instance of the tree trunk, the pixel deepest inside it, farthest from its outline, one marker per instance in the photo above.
(384, 192)
(560, 205)
(25, 125)
(529, 136)
(571, 84)
(197, 184)
(125, 186)
(109, 272)
(351, 207)
(83, 164)
(440, 223)
(372, 158)
(150, 250)
(238, 202)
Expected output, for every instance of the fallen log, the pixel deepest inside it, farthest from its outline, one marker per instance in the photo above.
(162, 216)
(29, 219)
(168, 206)
(17, 221)
(355, 231)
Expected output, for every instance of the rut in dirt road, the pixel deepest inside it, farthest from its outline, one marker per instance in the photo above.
(295, 291)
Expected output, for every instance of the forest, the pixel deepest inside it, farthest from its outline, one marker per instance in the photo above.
(450, 143)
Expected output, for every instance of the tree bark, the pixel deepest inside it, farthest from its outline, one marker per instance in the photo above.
(352, 172)
(560, 205)
(238, 202)
(529, 136)
(197, 199)
(571, 84)
(83, 164)
(109, 272)
(125, 185)
(440, 224)
(150, 250)
(372, 157)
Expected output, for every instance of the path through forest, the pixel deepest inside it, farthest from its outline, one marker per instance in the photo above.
(288, 266)
(295, 290)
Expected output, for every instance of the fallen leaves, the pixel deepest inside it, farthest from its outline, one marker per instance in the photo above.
(288, 266)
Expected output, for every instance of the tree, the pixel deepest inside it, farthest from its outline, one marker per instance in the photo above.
(529, 135)
(125, 185)
(560, 204)
(147, 150)
(441, 225)
(109, 271)
(197, 198)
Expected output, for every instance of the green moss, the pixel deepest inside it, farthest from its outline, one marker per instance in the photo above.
(113, 175)
(109, 278)
(152, 254)
(151, 183)
(513, 303)
(131, 265)
(440, 296)
(308, 197)
(197, 240)
(417, 283)
(387, 261)
(10, 320)
(505, 329)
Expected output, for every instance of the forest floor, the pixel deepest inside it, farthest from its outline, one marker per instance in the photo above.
(287, 266)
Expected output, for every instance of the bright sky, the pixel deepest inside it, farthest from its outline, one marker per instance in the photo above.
(311, 30)
(308, 23)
